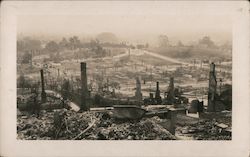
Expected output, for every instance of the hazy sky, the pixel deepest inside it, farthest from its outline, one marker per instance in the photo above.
(131, 22)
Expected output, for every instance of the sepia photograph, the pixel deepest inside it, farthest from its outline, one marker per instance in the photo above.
(149, 76)
(133, 77)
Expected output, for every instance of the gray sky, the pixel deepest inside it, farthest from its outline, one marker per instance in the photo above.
(132, 22)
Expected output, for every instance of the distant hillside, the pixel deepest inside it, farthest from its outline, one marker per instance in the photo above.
(107, 37)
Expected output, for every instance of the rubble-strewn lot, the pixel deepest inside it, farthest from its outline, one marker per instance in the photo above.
(67, 125)
(210, 126)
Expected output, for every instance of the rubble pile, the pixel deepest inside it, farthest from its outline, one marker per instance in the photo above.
(144, 129)
(206, 130)
(32, 128)
(69, 125)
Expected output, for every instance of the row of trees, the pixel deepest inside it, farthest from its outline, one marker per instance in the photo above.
(205, 41)
(28, 45)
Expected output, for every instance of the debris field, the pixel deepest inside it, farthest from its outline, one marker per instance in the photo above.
(62, 124)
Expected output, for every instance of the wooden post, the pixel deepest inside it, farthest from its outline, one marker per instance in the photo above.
(84, 90)
(43, 95)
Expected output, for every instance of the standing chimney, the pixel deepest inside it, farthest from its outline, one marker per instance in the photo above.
(138, 94)
(84, 91)
(157, 86)
(170, 91)
(212, 88)
(158, 94)
(43, 95)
